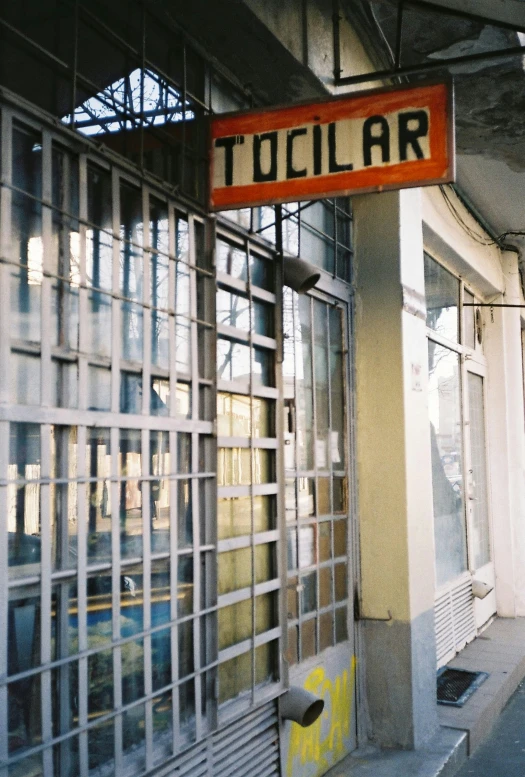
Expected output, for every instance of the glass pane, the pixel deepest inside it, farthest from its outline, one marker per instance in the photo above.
(235, 676)
(160, 659)
(341, 625)
(184, 513)
(98, 495)
(99, 388)
(234, 517)
(23, 520)
(263, 319)
(262, 374)
(99, 241)
(101, 746)
(185, 642)
(233, 310)
(308, 639)
(64, 383)
(24, 380)
(231, 260)
(325, 586)
(264, 562)
(160, 592)
(235, 623)
(100, 683)
(131, 322)
(469, 336)
(442, 295)
(337, 400)
(306, 497)
(64, 620)
(447, 463)
(233, 361)
(159, 339)
(234, 570)
(321, 355)
(325, 546)
(307, 550)
(233, 415)
(340, 538)
(23, 648)
(341, 582)
(326, 631)
(478, 475)
(159, 397)
(158, 225)
(262, 271)
(304, 388)
(99, 605)
(130, 392)
(64, 519)
(24, 721)
(309, 592)
(159, 491)
(162, 727)
(266, 662)
(99, 323)
(293, 646)
(185, 586)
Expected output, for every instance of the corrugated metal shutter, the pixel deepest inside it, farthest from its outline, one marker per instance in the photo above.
(454, 620)
(247, 748)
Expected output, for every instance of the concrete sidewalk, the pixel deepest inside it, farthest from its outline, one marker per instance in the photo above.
(500, 651)
(503, 752)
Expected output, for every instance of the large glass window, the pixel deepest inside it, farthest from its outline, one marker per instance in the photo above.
(457, 425)
(316, 471)
(248, 577)
(109, 480)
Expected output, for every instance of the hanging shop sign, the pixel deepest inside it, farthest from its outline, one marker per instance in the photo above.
(371, 141)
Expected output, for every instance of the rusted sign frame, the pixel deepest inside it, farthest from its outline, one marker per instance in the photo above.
(440, 166)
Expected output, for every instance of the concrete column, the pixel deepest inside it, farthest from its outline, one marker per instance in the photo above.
(506, 442)
(394, 470)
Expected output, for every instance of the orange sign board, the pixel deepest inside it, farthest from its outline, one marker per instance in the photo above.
(384, 139)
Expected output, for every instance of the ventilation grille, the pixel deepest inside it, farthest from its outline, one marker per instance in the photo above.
(454, 618)
(192, 763)
(247, 748)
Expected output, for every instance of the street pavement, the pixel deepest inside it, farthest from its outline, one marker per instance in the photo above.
(503, 753)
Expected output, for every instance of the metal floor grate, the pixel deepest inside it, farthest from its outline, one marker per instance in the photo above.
(455, 686)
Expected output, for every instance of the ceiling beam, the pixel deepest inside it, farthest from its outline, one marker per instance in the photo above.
(505, 13)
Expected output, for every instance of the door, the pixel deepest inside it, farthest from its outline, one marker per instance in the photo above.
(317, 504)
(481, 564)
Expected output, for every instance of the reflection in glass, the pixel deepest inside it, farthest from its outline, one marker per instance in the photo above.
(304, 388)
(130, 392)
(24, 380)
(185, 586)
(442, 295)
(99, 607)
(64, 520)
(478, 484)
(234, 570)
(26, 235)
(233, 415)
(468, 335)
(100, 683)
(233, 310)
(99, 323)
(234, 517)
(162, 727)
(23, 518)
(309, 593)
(159, 397)
(64, 383)
(261, 272)
(447, 463)
(99, 241)
(231, 260)
(262, 374)
(233, 360)
(131, 322)
(99, 388)
(308, 640)
(159, 491)
(235, 677)
(101, 746)
(235, 623)
(264, 562)
(307, 550)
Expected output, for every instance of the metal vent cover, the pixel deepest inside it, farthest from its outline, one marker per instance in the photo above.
(456, 686)
(249, 747)
(454, 620)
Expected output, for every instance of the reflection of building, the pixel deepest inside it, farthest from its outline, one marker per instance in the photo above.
(213, 488)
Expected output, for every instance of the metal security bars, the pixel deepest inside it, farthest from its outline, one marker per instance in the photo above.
(107, 464)
(248, 574)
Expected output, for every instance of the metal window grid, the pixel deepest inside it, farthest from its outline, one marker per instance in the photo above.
(51, 746)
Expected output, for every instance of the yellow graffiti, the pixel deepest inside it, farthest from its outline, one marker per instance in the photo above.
(323, 744)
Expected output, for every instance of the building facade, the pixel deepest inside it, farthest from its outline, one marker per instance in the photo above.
(214, 488)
